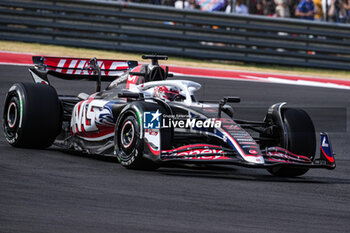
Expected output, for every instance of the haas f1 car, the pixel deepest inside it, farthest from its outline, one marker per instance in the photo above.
(147, 120)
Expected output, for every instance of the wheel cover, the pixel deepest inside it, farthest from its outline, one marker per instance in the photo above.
(127, 134)
(12, 113)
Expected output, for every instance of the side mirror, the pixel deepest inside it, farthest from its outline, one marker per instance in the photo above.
(137, 73)
(129, 94)
(232, 99)
(227, 99)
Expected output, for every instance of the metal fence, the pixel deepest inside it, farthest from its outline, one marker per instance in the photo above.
(186, 33)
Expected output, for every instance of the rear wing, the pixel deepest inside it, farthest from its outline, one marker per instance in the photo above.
(80, 68)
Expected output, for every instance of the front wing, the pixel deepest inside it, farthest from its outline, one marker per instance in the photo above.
(273, 156)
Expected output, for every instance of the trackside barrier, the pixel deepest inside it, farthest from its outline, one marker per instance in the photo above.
(143, 28)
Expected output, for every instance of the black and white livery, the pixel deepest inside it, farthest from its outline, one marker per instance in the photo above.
(147, 120)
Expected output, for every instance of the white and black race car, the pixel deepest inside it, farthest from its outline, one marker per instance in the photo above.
(146, 120)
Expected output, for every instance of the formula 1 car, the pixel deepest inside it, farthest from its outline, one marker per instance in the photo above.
(147, 120)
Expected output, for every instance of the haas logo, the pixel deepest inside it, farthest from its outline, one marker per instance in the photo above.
(80, 66)
(85, 115)
(132, 78)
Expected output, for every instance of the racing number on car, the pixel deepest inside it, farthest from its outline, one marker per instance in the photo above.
(85, 114)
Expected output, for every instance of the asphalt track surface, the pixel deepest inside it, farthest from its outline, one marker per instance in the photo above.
(55, 191)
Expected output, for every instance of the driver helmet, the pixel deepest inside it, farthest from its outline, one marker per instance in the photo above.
(167, 93)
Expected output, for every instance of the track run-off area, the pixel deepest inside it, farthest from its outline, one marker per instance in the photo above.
(55, 191)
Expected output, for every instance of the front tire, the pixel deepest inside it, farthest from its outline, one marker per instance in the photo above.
(301, 139)
(32, 115)
(130, 146)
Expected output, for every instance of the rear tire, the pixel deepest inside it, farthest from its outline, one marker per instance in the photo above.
(301, 140)
(32, 115)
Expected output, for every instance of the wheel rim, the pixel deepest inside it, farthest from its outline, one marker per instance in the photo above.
(12, 113)
(127, 134)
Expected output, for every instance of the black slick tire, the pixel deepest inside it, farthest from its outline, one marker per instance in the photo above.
(301, 140)
(32, 115)
(130, 145)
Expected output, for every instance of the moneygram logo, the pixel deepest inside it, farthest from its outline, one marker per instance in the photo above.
(154, 120)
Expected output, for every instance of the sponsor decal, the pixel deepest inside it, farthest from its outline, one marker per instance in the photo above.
(232, 127)
(152, 120)
(250, 143)
(88, 114)
(132, 79)
(209, 110)
(285, 156)
(246, 146)
(191, 123)
(244, 139)
(81, 66)
(326, 149)
(217, 157)
(240, 135)
(152, 132)
(197, 152)
(324, 143)
(228, 121)
(253, 152)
